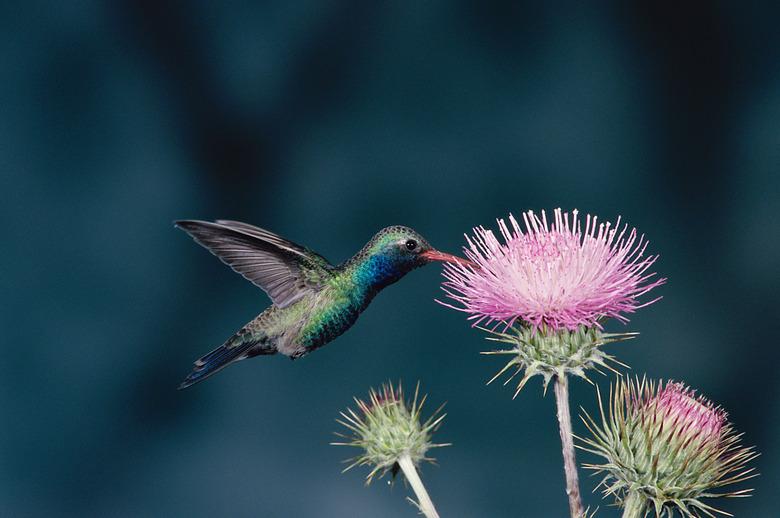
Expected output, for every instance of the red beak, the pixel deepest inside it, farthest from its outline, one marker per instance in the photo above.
(435, 255)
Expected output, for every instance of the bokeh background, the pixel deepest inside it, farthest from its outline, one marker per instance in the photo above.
(324, 121)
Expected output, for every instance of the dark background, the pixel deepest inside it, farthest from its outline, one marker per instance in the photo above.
(324, 121)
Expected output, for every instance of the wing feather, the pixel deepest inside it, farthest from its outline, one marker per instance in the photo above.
(285, 270)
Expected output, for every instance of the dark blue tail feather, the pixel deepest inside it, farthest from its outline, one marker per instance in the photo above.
(238, 347)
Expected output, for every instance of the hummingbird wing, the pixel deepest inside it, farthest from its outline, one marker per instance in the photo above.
(285, 270)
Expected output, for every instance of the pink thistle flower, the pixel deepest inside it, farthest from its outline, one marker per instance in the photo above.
(552, 274)
(693, 416)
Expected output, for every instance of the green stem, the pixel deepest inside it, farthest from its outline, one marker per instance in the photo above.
(633, 506)
(567, 444)
(423, 500)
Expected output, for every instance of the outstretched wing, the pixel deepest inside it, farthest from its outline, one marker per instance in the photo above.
(284, 270)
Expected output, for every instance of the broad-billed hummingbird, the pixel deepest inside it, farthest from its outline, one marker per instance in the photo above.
(313, 300)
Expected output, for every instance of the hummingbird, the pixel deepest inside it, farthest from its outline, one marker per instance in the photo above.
(313, 301)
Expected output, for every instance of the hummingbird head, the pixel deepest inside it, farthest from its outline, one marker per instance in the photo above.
(395, 251)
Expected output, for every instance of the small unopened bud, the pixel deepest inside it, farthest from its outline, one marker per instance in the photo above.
(387, 428)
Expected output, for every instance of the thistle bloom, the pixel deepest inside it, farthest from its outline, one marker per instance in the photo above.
(551, 284)
(555, 275)
(665, 448)
(392, 437)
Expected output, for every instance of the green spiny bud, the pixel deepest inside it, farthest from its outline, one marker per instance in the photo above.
(386, 427)
(665, 448)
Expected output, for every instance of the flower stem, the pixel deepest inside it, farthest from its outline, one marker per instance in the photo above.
(567, 443)
(423, 500)
(633, 506)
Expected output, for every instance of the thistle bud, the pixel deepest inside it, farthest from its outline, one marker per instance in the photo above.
(387, 428)
(666, 448)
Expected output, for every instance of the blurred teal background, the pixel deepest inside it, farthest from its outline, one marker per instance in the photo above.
(324, 121)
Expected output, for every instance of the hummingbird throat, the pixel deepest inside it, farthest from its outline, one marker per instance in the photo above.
(379, 271)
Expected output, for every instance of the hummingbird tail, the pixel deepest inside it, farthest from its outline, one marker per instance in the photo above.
(241, 345)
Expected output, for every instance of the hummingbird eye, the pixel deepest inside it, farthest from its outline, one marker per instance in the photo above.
(411, 245)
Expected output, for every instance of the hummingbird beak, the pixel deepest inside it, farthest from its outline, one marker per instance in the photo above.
(435, 255)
